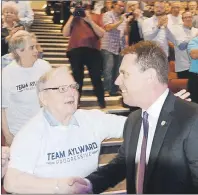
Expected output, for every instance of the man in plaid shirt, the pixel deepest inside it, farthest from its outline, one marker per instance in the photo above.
(113, 41)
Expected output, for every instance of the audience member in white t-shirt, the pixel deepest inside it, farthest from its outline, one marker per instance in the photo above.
(19, 97)
(60, 142)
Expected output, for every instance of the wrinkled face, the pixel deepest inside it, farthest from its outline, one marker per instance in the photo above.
(192, 5)
(131, 80)
(119, 7)
(187, 19)
(30, 52)
(175, 10)
(159, 8)
(63, 100)
(9, 15)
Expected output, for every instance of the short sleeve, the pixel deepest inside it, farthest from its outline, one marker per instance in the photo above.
(193, 44)
(107, 19)
(107, 125)
(25, 150)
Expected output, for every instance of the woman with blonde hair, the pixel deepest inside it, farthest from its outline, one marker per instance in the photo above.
(19, 96)
(10, 24)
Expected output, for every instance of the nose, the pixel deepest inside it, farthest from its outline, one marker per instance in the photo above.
(118, 80)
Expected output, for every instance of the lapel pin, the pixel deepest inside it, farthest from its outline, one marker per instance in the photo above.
(163, 123)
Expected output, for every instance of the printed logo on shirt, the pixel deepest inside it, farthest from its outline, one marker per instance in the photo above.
(26, 86)
(72, 154)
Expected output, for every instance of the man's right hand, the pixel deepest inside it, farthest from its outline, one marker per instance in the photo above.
(77, 185)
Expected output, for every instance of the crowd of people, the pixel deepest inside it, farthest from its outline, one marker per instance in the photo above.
(55, 146)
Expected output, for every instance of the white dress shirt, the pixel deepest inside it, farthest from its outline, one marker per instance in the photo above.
(153, 116)
(174, 20)
(152, 33)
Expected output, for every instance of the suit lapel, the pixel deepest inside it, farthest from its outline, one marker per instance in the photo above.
(164, 121)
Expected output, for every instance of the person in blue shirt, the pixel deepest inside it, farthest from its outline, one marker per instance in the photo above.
(193, 78)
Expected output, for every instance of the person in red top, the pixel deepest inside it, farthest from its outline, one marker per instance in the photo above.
(85, 32)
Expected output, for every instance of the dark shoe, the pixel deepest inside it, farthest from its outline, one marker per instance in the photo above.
(102, 105)
(117, 93)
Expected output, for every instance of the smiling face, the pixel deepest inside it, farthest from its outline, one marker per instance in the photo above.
(62, 102)
(9, 14)
(132, 81)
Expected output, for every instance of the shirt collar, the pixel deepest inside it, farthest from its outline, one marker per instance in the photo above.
(155, 109)
(53, 122)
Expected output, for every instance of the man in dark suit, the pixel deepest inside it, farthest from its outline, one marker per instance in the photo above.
(160, 149)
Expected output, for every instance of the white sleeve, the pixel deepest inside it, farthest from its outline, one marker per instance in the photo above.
(149, 33)
(108, 125)
(29, 14)
(5, 88)
(25, 150)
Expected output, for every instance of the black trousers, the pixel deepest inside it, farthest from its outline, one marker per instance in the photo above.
(183, 74)
(193, 86)
(92, 58)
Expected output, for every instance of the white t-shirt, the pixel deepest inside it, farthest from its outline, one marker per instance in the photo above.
(50, 151)
(19, 95)
(182, 34)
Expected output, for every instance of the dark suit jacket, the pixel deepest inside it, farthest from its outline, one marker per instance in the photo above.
(173, 162)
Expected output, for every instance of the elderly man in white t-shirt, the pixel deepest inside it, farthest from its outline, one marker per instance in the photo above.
(60, 144)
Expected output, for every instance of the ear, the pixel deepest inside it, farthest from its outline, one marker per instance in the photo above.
(151, 75)
(42, 98)
(19, 52)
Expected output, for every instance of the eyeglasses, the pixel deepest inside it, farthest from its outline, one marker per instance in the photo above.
(64, 88)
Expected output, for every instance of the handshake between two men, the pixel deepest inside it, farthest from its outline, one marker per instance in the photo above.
(75, 185)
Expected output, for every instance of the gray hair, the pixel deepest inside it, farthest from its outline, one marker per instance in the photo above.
(10, 5)
(18, 41)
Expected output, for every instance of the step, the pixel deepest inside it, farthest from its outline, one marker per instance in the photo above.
(64, 45)
(58, 41)
(57, 60)
(89, 101)
(53, 37)
(43, 21)
(46, 31)
(49, 25)
(49, 33)
(106, 158)
(45, 27)
(48, 49)
(54, 54)
(41, 16)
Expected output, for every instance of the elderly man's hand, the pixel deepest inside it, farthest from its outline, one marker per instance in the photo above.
(79, 185)
(4, 160)
(183, 94)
